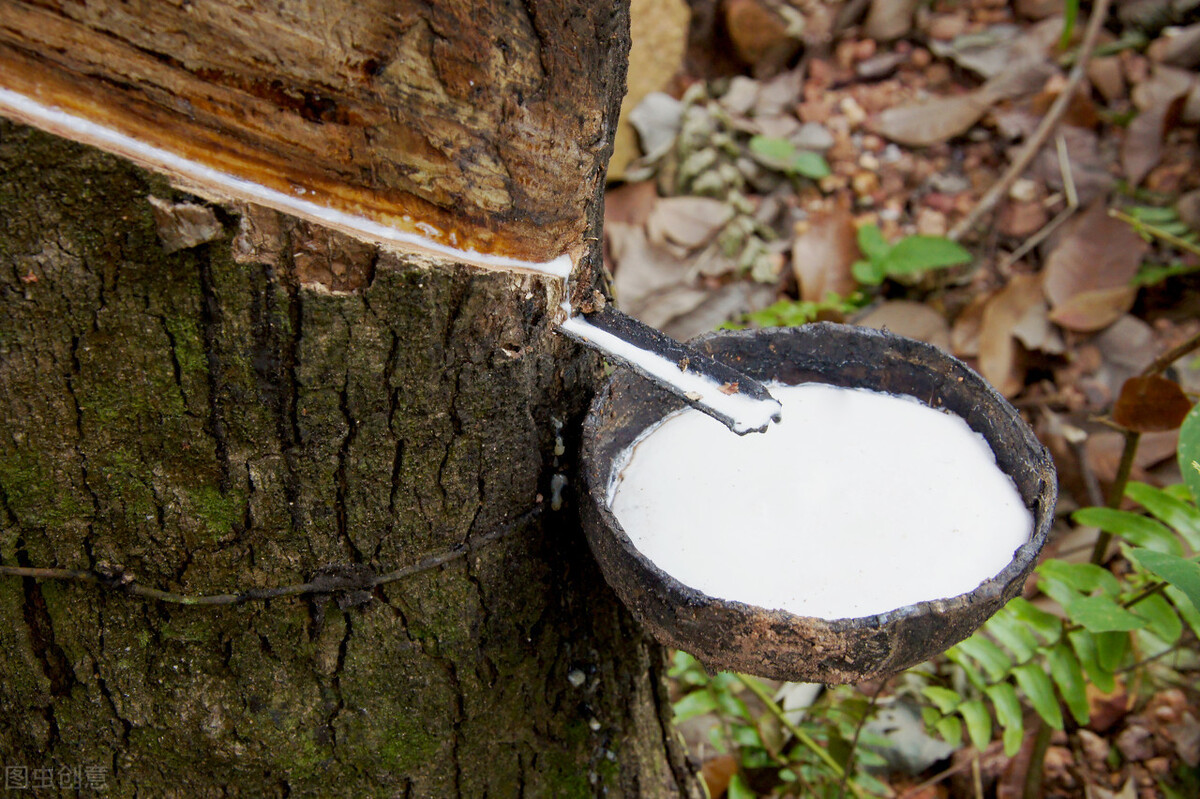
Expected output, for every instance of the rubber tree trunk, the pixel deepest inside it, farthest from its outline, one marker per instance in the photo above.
(209, 399)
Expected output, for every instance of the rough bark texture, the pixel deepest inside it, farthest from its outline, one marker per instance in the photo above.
(479, 123)
(244, 412)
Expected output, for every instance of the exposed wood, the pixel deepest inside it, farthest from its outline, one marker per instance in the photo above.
(479, 126)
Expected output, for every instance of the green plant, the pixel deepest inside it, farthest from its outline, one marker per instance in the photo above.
(1026, 655)
(1104, 623)
(792, 313)
(1070, 15)
(1163, 223)
(1189, 451)
(817, 756)
(910, 256)
(783, 156)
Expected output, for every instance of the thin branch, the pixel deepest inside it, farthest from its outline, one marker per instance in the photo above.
(1037, 759)
(1072, 196)
(328, 584)
(858, 728)
(1172, 355)
(1153, 230)
(1039, 138)
(920, 788)
(800, 734)
(1116, 492)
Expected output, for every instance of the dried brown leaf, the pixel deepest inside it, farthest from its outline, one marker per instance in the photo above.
(941, 119)
(1000, 358)
(1125, 347)
(1089, 164)
(1035, 332)
(1088, 273)
(1166, 83)
(1150, 404)
(889, 19)
(1094, 310)
(630, 203)
(1105, 710)
(1103, 453)
(964, 334)
(717, 772)
(912, 319)
(1021, 219)
(1179, 47)
(1038, 9)
(1143, 145)
(986, 53)
(1128, 345)
(779, 94)
(1081, 109)
(650, 282)
(1020, 77)
(1185, 736)
(1107, 77)
(823, 255)
(759, 33)
(690, 222)
(721, 305)
(933, 121)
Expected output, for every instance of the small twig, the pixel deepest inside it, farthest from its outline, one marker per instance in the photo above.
(1064, 168)
(1090, 482)
(800, 734)
(1147, 592)
(857, 732)
(322, 585)
(1116, 492)
(1040, 136)
(1145, 227)
(1150, 659)
(1172, 355)
(941, 776)
(726, 729)
(1037, 759)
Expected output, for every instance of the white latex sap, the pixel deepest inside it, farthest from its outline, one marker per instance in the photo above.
(746, 412)
(856, 503)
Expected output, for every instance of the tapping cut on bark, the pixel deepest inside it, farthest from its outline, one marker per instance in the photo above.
(473, 128)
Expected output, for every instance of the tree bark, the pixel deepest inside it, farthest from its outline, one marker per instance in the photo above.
(211, 398)
(218, 419)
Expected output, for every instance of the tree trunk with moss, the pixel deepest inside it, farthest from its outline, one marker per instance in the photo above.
(270, 405)
(213, 399)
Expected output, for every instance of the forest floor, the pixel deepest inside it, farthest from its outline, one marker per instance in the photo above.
(849, 162)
